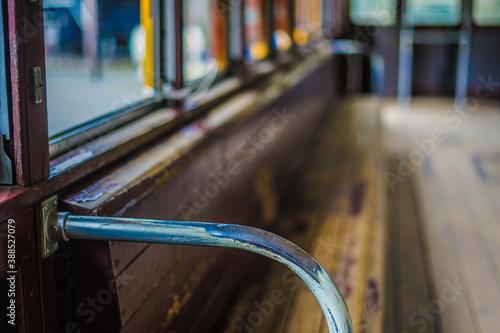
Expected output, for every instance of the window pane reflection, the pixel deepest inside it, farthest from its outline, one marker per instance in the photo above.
(434, 12)
(487, 12)
(97, 59)
(256, 44)
(281, 35)
(308, 21)
(205, 42)
(373, 12)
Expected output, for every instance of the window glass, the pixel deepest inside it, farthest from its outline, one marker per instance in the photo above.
(98, 58)
(281, 36)
(373, 12)
(255, 36)
(307, 21)
(5, 162)
(433, 12)
(486, 12)
(4, 110)
(204, 35)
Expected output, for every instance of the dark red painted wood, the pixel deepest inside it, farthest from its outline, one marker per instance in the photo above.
(179, 45)
(30, 298)
(47, 282)
(26, 46)
(36, 296)
(14, 200)
(156, 193)
(24, 237)
(27, 294)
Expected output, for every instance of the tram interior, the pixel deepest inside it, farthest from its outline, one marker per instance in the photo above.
(364, 131)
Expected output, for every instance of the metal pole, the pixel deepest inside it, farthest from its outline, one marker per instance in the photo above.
(91, 36)
(462, 76)
(405, 70)
(218, 235)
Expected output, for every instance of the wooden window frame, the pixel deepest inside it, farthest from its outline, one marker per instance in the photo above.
(63, 165)
(81, 134)
(6, 161)
(30, 134)
(290, 6)
(56, 163)
(327, 23)
(32, 148)
(267, 12)
(177, 87)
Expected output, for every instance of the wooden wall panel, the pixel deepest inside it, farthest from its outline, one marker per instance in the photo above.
(173, 287)
(35, 292)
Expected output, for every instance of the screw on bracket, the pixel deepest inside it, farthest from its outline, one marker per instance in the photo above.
(50, 228)
(38, 85)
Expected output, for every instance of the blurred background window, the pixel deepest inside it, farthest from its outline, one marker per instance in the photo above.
(98, 58)
(281, 35)
(433, 12)
(373, 12)
(255, 27)
(205, 37)
(486, 12)
(307, 21)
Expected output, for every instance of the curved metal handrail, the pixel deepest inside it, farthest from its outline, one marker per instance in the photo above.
(218, 235)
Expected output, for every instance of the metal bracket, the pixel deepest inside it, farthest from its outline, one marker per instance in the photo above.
(50, 228)
(37, 85)
(60, 226)
(68, 227)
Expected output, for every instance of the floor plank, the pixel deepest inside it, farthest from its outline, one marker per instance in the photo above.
(458, 204)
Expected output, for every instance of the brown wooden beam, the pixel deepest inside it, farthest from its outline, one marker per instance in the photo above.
(26, 47)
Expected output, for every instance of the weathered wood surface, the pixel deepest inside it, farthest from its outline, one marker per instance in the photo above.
(34, 300)
(408, 271)
(164, 287)
(30, 134)
(457, 194)
(336, 211)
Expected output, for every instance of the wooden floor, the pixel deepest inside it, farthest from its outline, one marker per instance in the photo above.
(444, 185)
(402, 207)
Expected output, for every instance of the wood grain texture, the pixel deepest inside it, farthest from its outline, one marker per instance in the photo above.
(410, 275)
(26, 45)
(34, 293)
(457, 200)
(164, 287)
(336, 211)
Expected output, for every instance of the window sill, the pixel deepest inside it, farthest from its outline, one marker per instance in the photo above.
(77, 165)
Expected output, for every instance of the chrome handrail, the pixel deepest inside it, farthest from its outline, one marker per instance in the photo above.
(219, 235)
